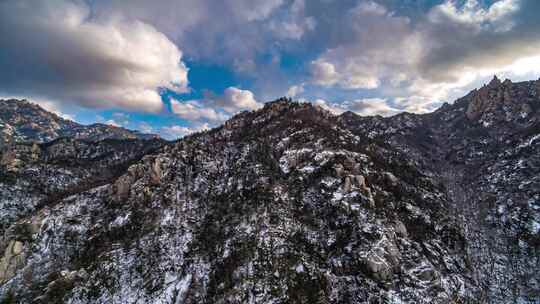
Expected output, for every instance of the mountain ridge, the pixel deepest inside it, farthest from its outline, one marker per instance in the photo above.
(288, 204)
(23, 121)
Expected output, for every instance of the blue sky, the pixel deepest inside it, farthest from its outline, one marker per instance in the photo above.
(177, 66)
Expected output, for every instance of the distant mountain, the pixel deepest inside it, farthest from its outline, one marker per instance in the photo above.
(287, 204)
(23, 121)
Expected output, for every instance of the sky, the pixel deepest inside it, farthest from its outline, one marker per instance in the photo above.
(173, 67)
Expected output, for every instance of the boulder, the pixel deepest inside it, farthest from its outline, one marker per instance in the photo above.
(12, 260)
(379, 268)
(382, 260)
(122, 186)
(349, 164)
(35, 152)
(427, 275)
(339, 170)
(360, 182)
(391, 179)
(17, 248)
(9, 160)
(357, 169)
(400, 229)
(347, 185)
(155, 171)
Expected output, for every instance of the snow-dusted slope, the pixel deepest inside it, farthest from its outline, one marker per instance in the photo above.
(278, 206)
(288, 204)
(485, 150)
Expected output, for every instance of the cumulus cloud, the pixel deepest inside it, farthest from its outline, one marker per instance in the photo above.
(51, 106)
(235, 99)
(295, 90)
(371, 106)
(364, 107)
(295, 23)
(253, 10)
(470, 39)
(117, 119)
(177, 131)
(233, 33)
(110, 53)
(215, 108)
(366, 58)
(60, 51)
(324, 73)
(423, 61)
(335, 108)
(146, 128)
(193, 110)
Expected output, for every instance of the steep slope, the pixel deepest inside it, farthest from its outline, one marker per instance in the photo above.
(44, 157)
(281, 205)
(36, 175)
(288, 204)
(484, 148)
(23, 121)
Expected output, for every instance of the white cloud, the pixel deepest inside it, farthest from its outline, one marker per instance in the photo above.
(235, 99)
(112, 122)
(193, 110)
(365, 58)
(496, 17)
(53, 108)
(295, 90)
(110, 53)
(253, 10)
(324, 73)
(364, 107)
(117, 119)
(120, 119)
(69, 55)
(177, 131)
(437, 58)
(335, 108)
(215, 108)
(230, 32)
(371, 106)
(294, 24)
(145, 127)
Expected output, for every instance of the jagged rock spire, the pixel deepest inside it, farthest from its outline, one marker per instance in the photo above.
(495, 81)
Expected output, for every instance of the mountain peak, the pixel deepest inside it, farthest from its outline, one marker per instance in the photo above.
(502, 101)
(24, 121)
(495, 81)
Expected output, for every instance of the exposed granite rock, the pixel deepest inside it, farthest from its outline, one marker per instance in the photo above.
(12, 260)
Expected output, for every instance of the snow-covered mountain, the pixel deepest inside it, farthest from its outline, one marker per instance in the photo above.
(287, 204)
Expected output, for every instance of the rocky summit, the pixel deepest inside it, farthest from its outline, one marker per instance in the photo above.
(286, 204)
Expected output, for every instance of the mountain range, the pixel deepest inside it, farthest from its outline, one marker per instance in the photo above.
(286, 204)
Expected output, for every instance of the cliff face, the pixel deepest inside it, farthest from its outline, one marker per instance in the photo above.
(288, 204)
